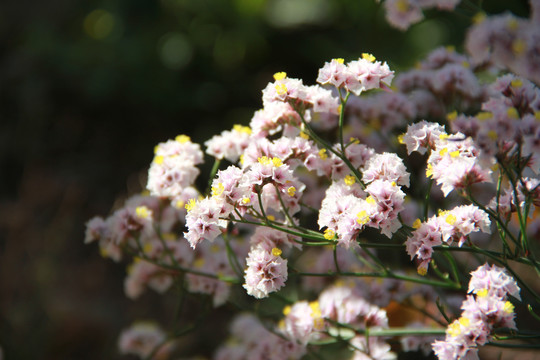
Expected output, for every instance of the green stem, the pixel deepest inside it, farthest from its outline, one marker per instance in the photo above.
(213, 173)
(320, 141)
(534, 315)
(320, 239)
(338, 270)
(231, 257)
(426, 199)
(284, 208)
(502, 234)
(441, 310)
(165, 247)
(522, 222)
(446, 285)
(453, 266)
(227, 279)
(493, 215)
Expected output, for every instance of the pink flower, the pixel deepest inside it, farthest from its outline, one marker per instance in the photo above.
(302, 321)
(422, 136)
(403, 13)
(266, 271)
(495, 280)
(211, 258)
(142, 339)
(386, 166)
(368, 74)
(230, 144)
(251, 340)
(204, 220)
(388, 199)
(333, 73)
(344, 303)
(463, 158)
(483, 313)
(142, 274)
(174, 167)
(371, 348)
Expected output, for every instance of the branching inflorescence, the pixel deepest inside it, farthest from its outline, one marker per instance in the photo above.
(332, 185)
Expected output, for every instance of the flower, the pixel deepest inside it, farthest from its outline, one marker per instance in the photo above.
(447, 226)
(482, 313)
(495, 280)
(251, 340)
(463, 157)
(174, 167)
(266, 272)
(230, 144)
(371, 348)
(302, 321)
(386, 166)
(143, 339)
(422, 136)
(204, 220)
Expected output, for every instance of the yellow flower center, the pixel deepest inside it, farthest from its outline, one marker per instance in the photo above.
(280, 76)
(158, 159)
(182, 139)
(291, 190)
(329, 234)
(482, 293)
(484, 115)
(242, 129)
(281, 89)
(143, 212)
(191, 204)
(218, 189)
(508, 307)
(516, 83)
(512, 113)
(368, 57)
(362, 217)
(349, 180)
(451, 219)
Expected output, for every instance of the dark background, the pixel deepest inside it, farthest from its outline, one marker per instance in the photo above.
(88, 88)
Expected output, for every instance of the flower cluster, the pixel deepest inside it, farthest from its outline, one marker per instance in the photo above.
(173, 170)
(146, 340)
(507, 41)
(403, 13)
(347, 209)
(483, 313)
(251, 340)
(447, 227)
(357, 76)
(294, 210)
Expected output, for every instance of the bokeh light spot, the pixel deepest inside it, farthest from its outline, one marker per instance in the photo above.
(175, 50)
(229, 50)
(428, 35)
(290, 13)
(250, 7)
(99, 24)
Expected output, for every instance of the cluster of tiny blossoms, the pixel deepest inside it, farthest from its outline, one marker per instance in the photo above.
(351, 183)
(508, 42)
(145, 339)
(445, 228)
(403, 13)
(483, 313)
